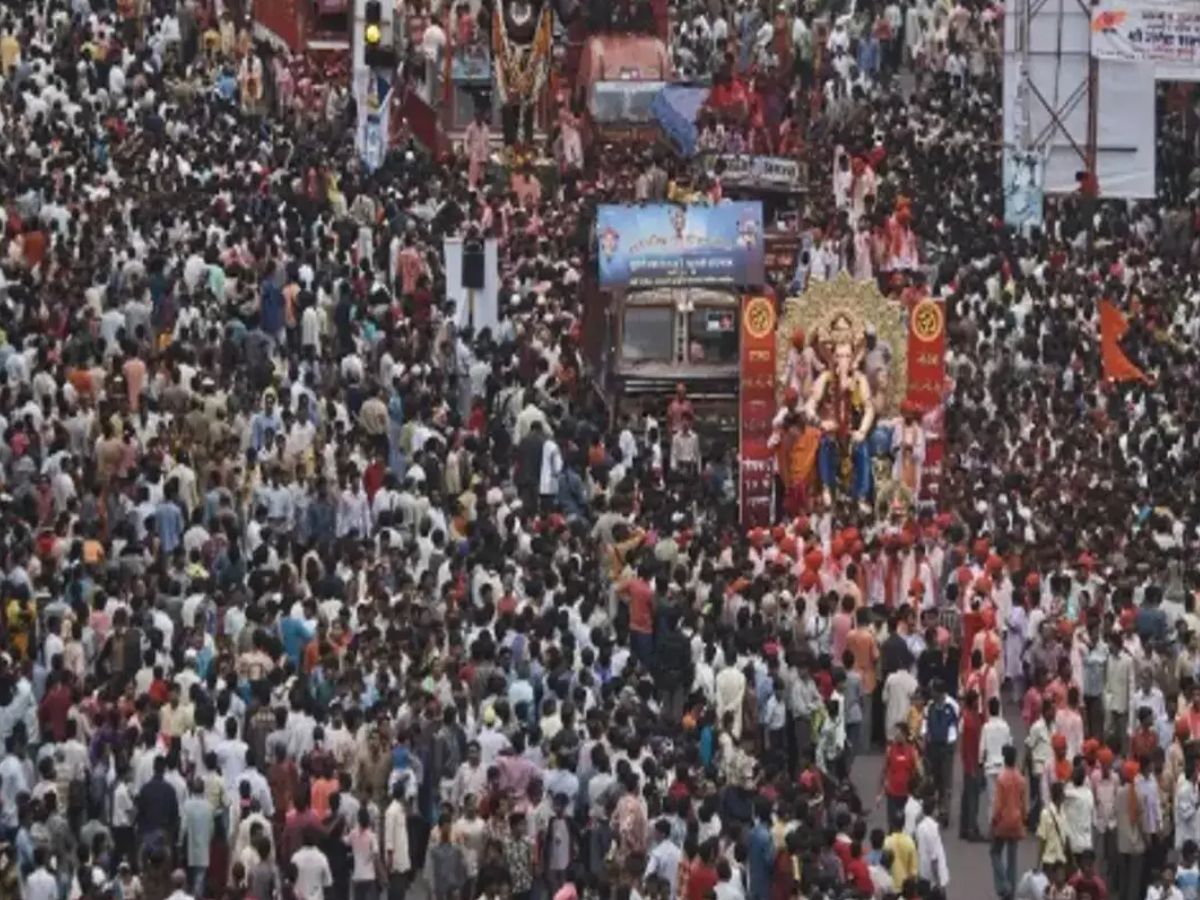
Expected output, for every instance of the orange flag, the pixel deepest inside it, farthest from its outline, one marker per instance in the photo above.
(1113, 326)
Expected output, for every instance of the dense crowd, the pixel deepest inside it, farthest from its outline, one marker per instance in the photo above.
(311, 592)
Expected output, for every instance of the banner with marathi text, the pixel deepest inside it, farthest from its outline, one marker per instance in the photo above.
(926, 383)
(757, 410)
(1166, 34)
(782, 251)
(667, 245)
(763, 173)
(926, 353)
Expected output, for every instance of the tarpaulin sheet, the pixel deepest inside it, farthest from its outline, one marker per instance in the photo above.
(676, 108)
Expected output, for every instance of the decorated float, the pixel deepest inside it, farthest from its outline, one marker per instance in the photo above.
(840, 401)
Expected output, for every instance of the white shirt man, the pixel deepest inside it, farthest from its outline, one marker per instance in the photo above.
(1078, 809)
(897, 697)
(931, 854)
(663, 861)
(729, 889)
(731, 690)
(395, 837)
(491, 741)
(12, 783)
(552, 466)
(313, 875)
(996, 735)
(41, 885)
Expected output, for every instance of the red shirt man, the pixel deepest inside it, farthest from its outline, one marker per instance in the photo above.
(1087, 884)
(858, 874)
(641, 604)
(701, 879)
(970, 731)
(1010, 804)
(898, 768)
(53, 710)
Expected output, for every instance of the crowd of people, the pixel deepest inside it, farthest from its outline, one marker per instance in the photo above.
(311, 592)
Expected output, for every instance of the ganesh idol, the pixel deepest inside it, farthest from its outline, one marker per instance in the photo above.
(840, 403)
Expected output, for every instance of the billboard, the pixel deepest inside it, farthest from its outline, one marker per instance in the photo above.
(1047, 63)
(664, 245)
(1166, 35)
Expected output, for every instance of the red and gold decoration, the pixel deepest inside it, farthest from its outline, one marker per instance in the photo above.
(927, 383)
(757, 409)
(521, 70)
(926, 353)
(886, 360)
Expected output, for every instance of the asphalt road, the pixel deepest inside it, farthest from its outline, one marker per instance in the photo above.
(970, 864)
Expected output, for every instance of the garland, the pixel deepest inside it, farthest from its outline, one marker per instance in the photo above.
(520, 73)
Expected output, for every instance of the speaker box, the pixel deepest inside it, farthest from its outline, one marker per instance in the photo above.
(472, 265)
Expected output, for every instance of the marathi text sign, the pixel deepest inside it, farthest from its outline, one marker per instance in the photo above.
(768, 173)
(926, 353)
(926, 380)
(783, 249)
(756, 395)
(664, 244)
(1167, 35)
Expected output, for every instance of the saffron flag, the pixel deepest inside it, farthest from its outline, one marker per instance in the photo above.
(1116, 365)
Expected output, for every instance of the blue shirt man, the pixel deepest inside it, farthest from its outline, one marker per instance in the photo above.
(760, 856)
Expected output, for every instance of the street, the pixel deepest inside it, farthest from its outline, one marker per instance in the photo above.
(970, 863)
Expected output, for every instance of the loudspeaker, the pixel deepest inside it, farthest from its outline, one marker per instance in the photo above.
(567, 10)
(472, 265)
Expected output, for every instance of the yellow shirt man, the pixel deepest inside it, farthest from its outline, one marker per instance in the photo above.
(10, 52)
(904, 856)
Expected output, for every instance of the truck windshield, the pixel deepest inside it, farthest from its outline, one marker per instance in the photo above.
(623, 101)
(648, 334)
(713, 336)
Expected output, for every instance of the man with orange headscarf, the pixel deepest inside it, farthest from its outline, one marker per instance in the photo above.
(973, 617)
(982, 679)
(1058, 769)
(1104, 788)
(1131, 836)
(987, 641)
(900, 243)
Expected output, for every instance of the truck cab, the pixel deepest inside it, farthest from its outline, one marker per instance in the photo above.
(644, 342)
(619, 76)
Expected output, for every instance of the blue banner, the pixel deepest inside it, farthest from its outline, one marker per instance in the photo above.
(371, 136)
(664, 244)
